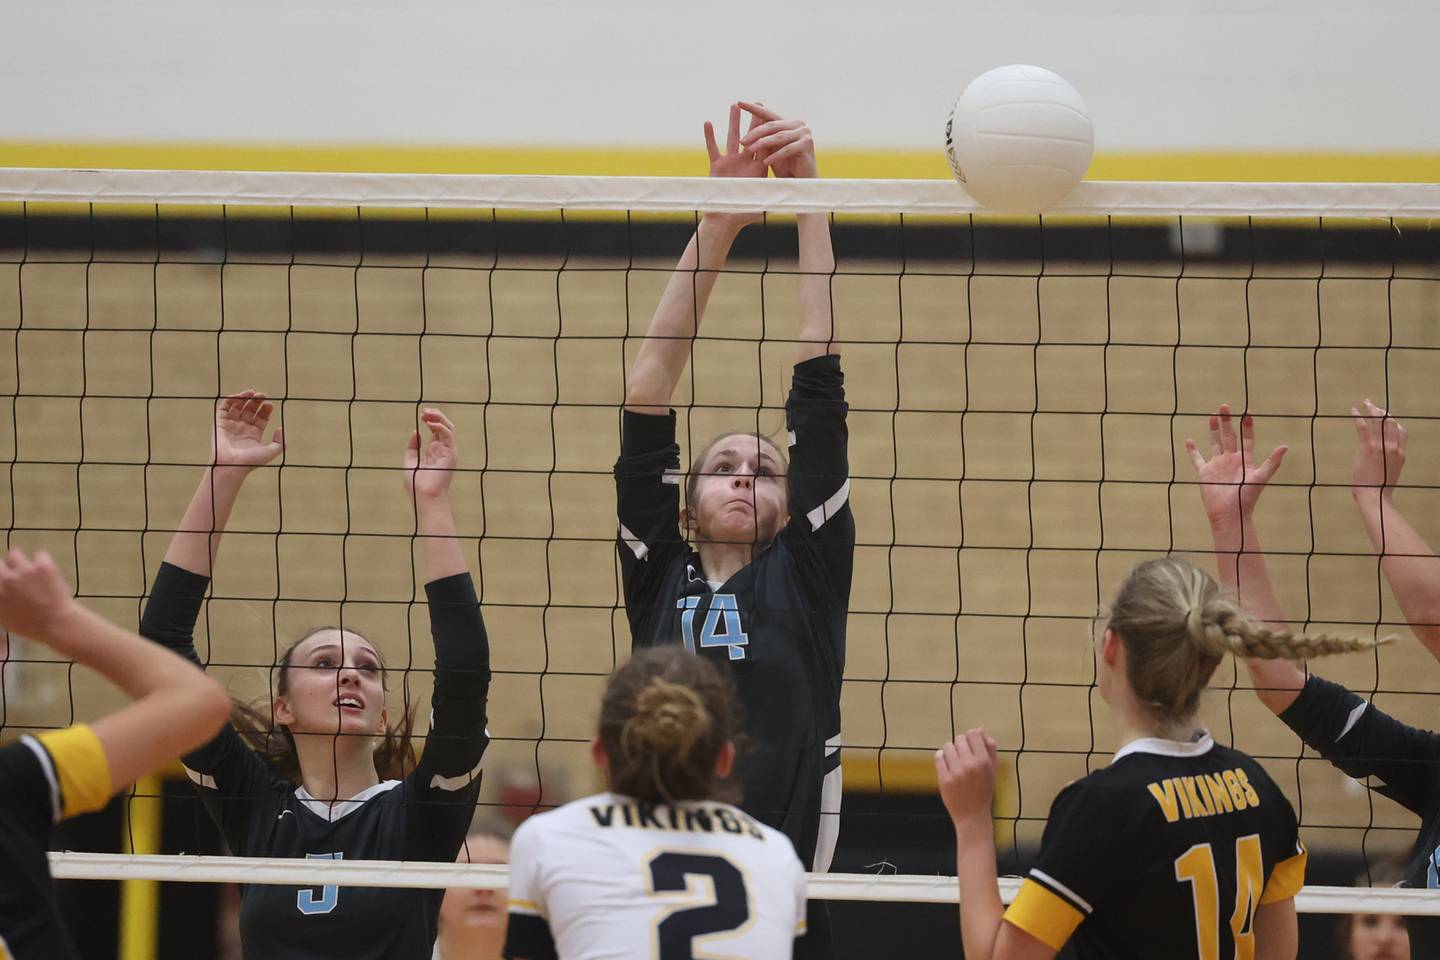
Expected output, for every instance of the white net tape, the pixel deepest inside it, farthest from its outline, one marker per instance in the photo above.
(689, 194)
(834, 886)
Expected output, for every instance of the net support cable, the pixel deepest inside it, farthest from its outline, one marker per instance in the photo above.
(690, 194)
(820, 886)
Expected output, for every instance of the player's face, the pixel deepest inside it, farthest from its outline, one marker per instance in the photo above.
(1378, 936)
(477, 909)
(335, 685)
(741, 495)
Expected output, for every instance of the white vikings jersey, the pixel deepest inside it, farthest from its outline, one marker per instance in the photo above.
(608, 877)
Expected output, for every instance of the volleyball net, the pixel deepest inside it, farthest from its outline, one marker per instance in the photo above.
(1020, 391)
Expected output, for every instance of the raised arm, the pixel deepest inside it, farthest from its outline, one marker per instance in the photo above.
(1230, 487)
(1409, 564)
(237, 448)
(965, 770)
(176, 707)
(428, 472)
(788, 148)
(665, 350)
(449, 769)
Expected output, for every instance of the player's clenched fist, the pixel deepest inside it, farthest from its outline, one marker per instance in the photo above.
(966, 771)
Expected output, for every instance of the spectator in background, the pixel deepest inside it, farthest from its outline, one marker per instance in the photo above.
(472, 922)
(1375, 936)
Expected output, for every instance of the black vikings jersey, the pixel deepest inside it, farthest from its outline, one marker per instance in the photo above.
(778, 624)
(1167, 852)
(43, 780)
(1405, 764)
(423, 817)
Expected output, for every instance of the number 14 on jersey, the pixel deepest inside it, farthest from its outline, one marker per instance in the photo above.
(721, 627)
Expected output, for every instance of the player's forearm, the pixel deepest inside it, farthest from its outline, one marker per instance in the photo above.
(197, 540)
(981, 911)
(1243, 572)
(136, 666)
(435, 525)
(1408, 562)
(817, 269)
(666, 348)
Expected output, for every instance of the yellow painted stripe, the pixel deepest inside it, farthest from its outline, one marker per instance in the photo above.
(1340, 167)
(140, 899)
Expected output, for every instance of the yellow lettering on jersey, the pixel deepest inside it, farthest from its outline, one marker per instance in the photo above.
(1164, 794)
(1250, 793)
(1219, 793)
(1202, 784)
(1237, 792)
(1185, 806)
(1197, 802)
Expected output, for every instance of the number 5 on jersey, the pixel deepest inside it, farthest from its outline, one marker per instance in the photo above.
(724, 611)
(307, 902)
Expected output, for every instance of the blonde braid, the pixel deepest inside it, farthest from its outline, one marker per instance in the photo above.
(1233, 632)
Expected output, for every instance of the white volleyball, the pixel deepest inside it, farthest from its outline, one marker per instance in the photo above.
(1019, 138)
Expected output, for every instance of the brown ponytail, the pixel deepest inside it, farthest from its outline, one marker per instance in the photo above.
(1176, 626)
(665, 717)
(255, 722)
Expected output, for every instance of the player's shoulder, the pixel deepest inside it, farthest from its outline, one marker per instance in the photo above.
(564, 818)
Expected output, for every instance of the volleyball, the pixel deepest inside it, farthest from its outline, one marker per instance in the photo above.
(1019, 138)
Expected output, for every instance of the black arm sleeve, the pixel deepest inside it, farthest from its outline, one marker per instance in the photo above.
(821, 531)
(227, 772)
(447, 778)
(1365, 742)
(647, 493)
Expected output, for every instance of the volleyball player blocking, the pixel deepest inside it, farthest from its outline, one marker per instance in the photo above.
(752, 570)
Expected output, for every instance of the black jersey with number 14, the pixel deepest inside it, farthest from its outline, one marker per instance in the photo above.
(779, 623)
(1168, 852)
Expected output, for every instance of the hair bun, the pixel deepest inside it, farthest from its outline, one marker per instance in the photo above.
(669, 719)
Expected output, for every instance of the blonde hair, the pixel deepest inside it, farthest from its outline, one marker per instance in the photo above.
(665, 717)
(1177, 625)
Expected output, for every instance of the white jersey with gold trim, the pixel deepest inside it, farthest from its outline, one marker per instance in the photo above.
(608, 877)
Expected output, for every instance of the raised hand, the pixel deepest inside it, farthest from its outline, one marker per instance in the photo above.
(239, 438)
(785, 146)
(33, 594)
(966, 771)
(1379, 453)
(1230, 480)
(428, 471)
(736, 161)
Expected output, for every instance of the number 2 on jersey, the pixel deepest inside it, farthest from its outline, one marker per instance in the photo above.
(1196, 867)
(727, 909)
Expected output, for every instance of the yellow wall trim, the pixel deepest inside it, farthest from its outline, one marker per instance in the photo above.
(664, 161)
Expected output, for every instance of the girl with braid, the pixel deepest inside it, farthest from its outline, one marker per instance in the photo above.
(1181, 847)
(1338, 724)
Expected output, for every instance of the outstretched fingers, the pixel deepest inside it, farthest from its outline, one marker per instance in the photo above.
(1196, 459)
(441, 428)
(1267, 469)
(732, 139)
(710, 144)
(758, 111)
